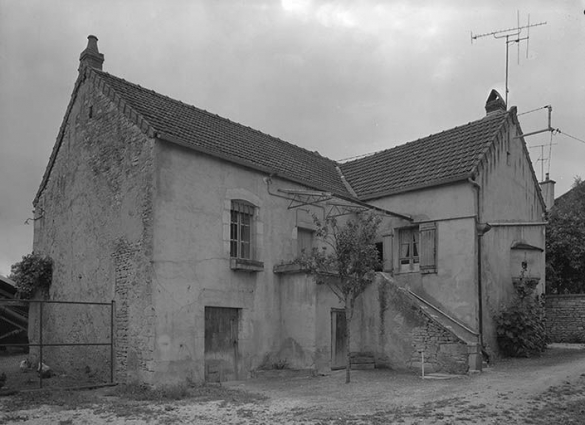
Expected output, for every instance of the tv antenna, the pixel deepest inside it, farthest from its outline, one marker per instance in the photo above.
(512, 35)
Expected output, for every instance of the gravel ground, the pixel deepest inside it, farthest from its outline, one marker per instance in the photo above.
(545, 390)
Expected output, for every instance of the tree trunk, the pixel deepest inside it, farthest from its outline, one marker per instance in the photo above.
(348, 317)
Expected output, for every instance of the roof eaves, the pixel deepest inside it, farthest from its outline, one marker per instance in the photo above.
(240, 161)
(122, 105)
(411, 188)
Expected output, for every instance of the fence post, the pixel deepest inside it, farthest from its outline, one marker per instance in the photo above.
(112, 309)
(41, 345)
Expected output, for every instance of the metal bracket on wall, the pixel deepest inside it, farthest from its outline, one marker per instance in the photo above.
(299, 198)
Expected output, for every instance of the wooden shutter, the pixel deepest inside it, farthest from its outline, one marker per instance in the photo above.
(388, 241)
(428, 247)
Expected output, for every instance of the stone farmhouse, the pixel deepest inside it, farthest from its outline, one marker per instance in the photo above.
(190, 222)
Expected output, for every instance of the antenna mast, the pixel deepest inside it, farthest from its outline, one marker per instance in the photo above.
(512, 35)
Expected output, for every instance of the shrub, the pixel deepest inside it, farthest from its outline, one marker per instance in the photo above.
(33, 272)
(520, 328)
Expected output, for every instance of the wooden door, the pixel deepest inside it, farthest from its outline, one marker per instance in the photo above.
(221, 344)
(338, 339)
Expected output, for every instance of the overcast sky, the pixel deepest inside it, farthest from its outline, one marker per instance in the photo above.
(341, 77)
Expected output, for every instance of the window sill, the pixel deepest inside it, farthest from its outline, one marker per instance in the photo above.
(288, 268)
(246, 265)
(427, 271)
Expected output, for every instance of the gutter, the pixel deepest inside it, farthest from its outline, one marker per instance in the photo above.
(480, 232)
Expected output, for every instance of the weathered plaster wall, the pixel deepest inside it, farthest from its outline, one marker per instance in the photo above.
(508, 193)
(509, 190)
(93, 219)
(192, 267)
(565, 318)
(453, 287)
(389, 324)
(305, 322)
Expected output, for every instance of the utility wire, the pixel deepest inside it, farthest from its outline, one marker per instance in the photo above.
(533, 110)
(568, 135)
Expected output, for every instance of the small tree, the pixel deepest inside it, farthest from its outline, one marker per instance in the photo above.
(345, 263)
(33, 272)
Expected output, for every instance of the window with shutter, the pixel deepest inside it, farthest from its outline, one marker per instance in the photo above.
(428, 247)
(388, 258)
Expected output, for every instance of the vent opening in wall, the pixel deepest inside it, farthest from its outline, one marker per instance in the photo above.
(91, 111)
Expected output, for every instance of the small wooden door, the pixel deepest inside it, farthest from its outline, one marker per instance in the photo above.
(221, 344)
(338, 339)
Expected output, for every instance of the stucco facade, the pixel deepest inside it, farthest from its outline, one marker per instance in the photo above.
(279, 317)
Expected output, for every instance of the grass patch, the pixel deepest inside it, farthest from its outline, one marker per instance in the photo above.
(63, 398)
(12, 418)
(201, 393)
(139, 392)
(126, 401)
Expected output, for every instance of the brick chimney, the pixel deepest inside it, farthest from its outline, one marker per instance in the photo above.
(547, 187)
(91, 56)
(494, 103)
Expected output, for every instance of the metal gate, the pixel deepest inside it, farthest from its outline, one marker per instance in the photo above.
(12, 316)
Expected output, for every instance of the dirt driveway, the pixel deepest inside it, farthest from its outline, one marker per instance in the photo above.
(546, 390)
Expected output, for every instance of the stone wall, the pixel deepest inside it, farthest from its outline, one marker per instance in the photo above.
(565, 318)
(93, 218)
(443, 351)
(390, 324)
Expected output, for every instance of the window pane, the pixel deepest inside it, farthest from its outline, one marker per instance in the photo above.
(405, 236)
(246, 219)
(245, 253)
(405, 251)
(304, 240)
(415, 238)
(233, 248)
(245, 233)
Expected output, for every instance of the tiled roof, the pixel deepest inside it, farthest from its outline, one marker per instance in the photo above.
(447, 156)
(210, 133)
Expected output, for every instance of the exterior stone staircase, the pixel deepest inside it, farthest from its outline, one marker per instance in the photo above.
(444, 321)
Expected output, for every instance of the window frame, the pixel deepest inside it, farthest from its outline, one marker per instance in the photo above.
(244, 213)
(413, 264)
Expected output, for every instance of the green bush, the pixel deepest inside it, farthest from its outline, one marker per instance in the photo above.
(33, 272)
(521, 327)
